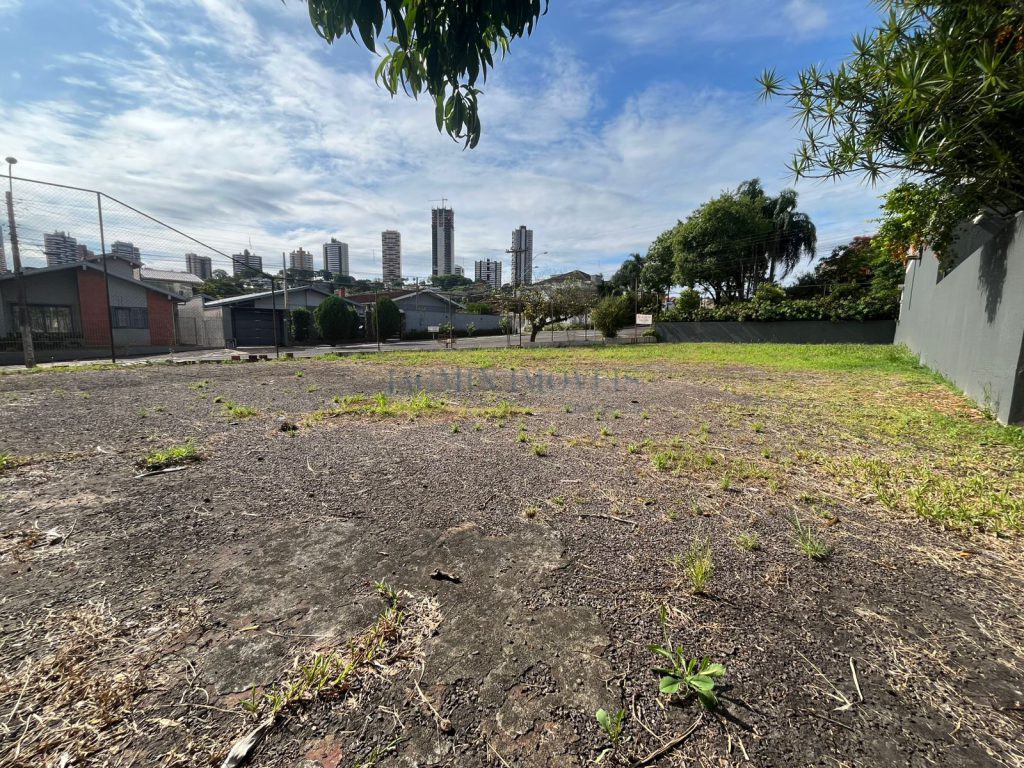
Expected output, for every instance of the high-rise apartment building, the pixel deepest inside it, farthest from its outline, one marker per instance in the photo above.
(459, 270)
(301, 260)
(443, 241)
(125, 250)
(336, 257)
(489, 271)
(245, 262)
(522, 256)
(200, 266)
(59, 248)
(83, 252)
(391, 255)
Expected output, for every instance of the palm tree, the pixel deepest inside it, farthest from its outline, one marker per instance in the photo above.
(793, 234)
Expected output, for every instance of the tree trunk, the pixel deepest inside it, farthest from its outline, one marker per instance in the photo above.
(534, 330)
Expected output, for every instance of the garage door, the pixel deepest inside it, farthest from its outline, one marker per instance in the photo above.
(254, 327)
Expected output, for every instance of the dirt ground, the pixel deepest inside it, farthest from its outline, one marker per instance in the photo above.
(537, 540)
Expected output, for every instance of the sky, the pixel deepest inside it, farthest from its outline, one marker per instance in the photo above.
(234, 122)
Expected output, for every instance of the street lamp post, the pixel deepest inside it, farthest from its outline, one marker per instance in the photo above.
(24, 322)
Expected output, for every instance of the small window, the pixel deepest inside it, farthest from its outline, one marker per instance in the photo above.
(131, 317)
(50, 319)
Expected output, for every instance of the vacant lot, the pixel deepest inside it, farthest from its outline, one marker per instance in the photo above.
(463, 572)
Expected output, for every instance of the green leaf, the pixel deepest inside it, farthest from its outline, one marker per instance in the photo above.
(604, 720)
(701, 683)
(669, 684)
(714, 670)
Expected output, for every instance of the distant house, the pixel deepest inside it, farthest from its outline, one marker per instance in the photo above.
(422, 310)
(183, 284)
(70, 317)
(244, 321)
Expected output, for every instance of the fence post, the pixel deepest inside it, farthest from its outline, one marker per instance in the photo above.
(24, 321)
(106, 278)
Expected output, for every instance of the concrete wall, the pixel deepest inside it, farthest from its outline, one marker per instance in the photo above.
(200, 326)
(55, 289)
(969, 324)
(420, 320)
(782, 332)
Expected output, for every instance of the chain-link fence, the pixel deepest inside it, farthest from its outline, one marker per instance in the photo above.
(83, 274)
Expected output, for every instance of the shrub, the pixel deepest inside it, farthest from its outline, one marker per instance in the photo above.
(389, 319)
(612, 314)
(335, 320)
(688, 301)
(302, 323)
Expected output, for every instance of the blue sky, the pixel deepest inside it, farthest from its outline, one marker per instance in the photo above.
(232, 120)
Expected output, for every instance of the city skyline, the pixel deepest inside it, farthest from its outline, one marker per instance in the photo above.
(336, 257)
(608, 162)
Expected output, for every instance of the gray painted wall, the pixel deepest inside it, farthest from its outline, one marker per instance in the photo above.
(53, 289)
(784, 332)
(420, 320)
(969, 324)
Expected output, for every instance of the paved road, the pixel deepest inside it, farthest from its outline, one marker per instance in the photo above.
(544, 339)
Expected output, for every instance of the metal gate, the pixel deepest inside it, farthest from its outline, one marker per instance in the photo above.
(254, 327)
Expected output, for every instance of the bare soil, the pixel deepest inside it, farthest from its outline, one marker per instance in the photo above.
(139, 612)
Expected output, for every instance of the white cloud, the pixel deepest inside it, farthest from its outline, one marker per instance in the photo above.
(274, 140)
(806, 16)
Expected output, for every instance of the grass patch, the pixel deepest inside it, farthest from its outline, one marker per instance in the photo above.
(809, 542)
(175, 456)
(236, 411)
(749, 541)
(540, 449)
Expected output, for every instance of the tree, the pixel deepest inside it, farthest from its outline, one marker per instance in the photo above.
(658, 273)
(864, 264)
(627, 277)
(720, 247)
(612, 314)
(448, 282)
(335, 320)
(439, 47)
(221, 286)
(388, 318)
(936, 93)
(793, 234)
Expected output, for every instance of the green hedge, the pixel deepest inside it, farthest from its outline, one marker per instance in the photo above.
(881, 304)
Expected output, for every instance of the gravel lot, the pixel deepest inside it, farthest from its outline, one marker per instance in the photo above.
(538, 541)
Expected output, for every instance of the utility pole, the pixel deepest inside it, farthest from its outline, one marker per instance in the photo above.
(106, 278)
(28, 349)
(273, 316)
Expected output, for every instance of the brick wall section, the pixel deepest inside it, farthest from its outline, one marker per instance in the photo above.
(161, 320)
(92, 300)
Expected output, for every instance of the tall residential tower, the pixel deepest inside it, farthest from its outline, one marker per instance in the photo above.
(391, 255)
(336, 257)
(443, 250)
(59, 248)
(522, 256)
(200, 266)
(488, 271)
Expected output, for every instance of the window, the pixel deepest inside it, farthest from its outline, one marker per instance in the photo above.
(131, 317)
(50, 319)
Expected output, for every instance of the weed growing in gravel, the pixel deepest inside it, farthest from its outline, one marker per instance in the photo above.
(757, 426)
(725, 482)
(810, 544)
(142, 413)
(199, 385)
(688, 676)
(597, 414)
(611, 726)
(748, 540)
(645, 415)
(540, 449)
(531, 512)
(312, 388)
(219, 399)
(174, 456)
(699, 565)
(671, 514)
(605, 432)
(552, 430)
(568, 408)
(616, 415)
(237, 411)
(456, 428)
(299, 375)
(505, 410)
(477, 427)
(383, 406)
(634, 448)
(324, 672)
(6, 460)
(522, 437)
(663, 461)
